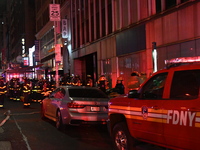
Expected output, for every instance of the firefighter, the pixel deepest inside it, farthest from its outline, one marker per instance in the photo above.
(68, 80)
(119, 85)
(53, 86)
(36, 91)
(143, 77)
(102, 83)
(89, 81)
(46, 89)
(16, 89)
(10, 88)
(134, 81)
(3, 91)
(77, 81)
(26, 90)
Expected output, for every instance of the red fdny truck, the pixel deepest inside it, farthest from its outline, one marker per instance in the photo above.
(164, 111)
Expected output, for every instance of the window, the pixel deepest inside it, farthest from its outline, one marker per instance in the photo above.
(158, 6)
(87, 93)
(59, 93)
(185, 84)
(154, 88)
(183, 1)
(170, 3)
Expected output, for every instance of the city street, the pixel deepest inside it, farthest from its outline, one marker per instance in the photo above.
(25, 130)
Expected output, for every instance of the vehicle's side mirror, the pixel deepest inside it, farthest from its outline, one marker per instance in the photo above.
(133, 94)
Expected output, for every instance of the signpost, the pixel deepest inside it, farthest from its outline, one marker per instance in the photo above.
(54, 14)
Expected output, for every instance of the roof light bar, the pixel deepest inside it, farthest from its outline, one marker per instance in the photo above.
(183, 60)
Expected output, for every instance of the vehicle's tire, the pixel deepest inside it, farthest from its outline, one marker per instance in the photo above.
(42, 112)
(59, 123)
(121, 137)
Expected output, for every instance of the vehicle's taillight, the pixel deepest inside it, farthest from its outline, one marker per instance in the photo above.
(74, 105)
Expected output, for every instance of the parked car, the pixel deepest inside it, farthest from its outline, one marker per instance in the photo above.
(75, 105)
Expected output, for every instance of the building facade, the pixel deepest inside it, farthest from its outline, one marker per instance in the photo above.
(119, 36)
(45, 34)
(116, 37)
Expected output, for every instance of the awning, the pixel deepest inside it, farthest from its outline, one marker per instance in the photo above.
(23, 69)
(60, 72)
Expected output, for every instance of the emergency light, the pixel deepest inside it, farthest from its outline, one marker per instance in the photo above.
(183, 60)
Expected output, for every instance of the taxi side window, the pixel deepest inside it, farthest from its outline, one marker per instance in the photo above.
(154, 88)
(185, 84)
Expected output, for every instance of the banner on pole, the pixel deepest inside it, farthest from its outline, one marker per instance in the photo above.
(58, 53)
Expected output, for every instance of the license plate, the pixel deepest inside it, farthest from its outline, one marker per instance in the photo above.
(95, 108)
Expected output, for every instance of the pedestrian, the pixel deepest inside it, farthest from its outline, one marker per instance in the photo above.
(134, 81)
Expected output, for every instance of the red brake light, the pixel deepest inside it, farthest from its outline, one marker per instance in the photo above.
(74, 105)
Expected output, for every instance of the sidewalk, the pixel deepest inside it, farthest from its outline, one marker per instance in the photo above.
(4, 145)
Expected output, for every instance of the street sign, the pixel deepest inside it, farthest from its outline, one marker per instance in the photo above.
(54, 12)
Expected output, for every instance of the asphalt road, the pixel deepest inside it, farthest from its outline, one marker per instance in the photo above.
(25, 130)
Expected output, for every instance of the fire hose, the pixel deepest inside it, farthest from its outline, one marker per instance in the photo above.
(7, 117)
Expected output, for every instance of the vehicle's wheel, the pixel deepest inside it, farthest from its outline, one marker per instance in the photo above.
(59, 123)
(42, 112)
(121, 137)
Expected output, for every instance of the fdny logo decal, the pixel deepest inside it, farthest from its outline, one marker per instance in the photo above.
(145, 112)
(174, 117)
(181, 118)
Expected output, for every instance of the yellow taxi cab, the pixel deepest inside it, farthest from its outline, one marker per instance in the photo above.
(164, 111)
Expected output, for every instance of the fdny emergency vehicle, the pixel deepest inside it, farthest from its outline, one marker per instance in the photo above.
(164, 111)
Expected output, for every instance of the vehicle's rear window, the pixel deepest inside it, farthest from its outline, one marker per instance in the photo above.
(87, 93)
(185, 84)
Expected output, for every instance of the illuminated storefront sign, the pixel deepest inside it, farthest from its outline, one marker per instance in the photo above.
(26, 63)
(64, 28)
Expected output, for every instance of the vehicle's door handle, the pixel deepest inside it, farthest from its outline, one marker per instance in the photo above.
(194, 109)
(155, 107)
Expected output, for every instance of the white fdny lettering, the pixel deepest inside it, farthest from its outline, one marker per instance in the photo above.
(180, 117)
